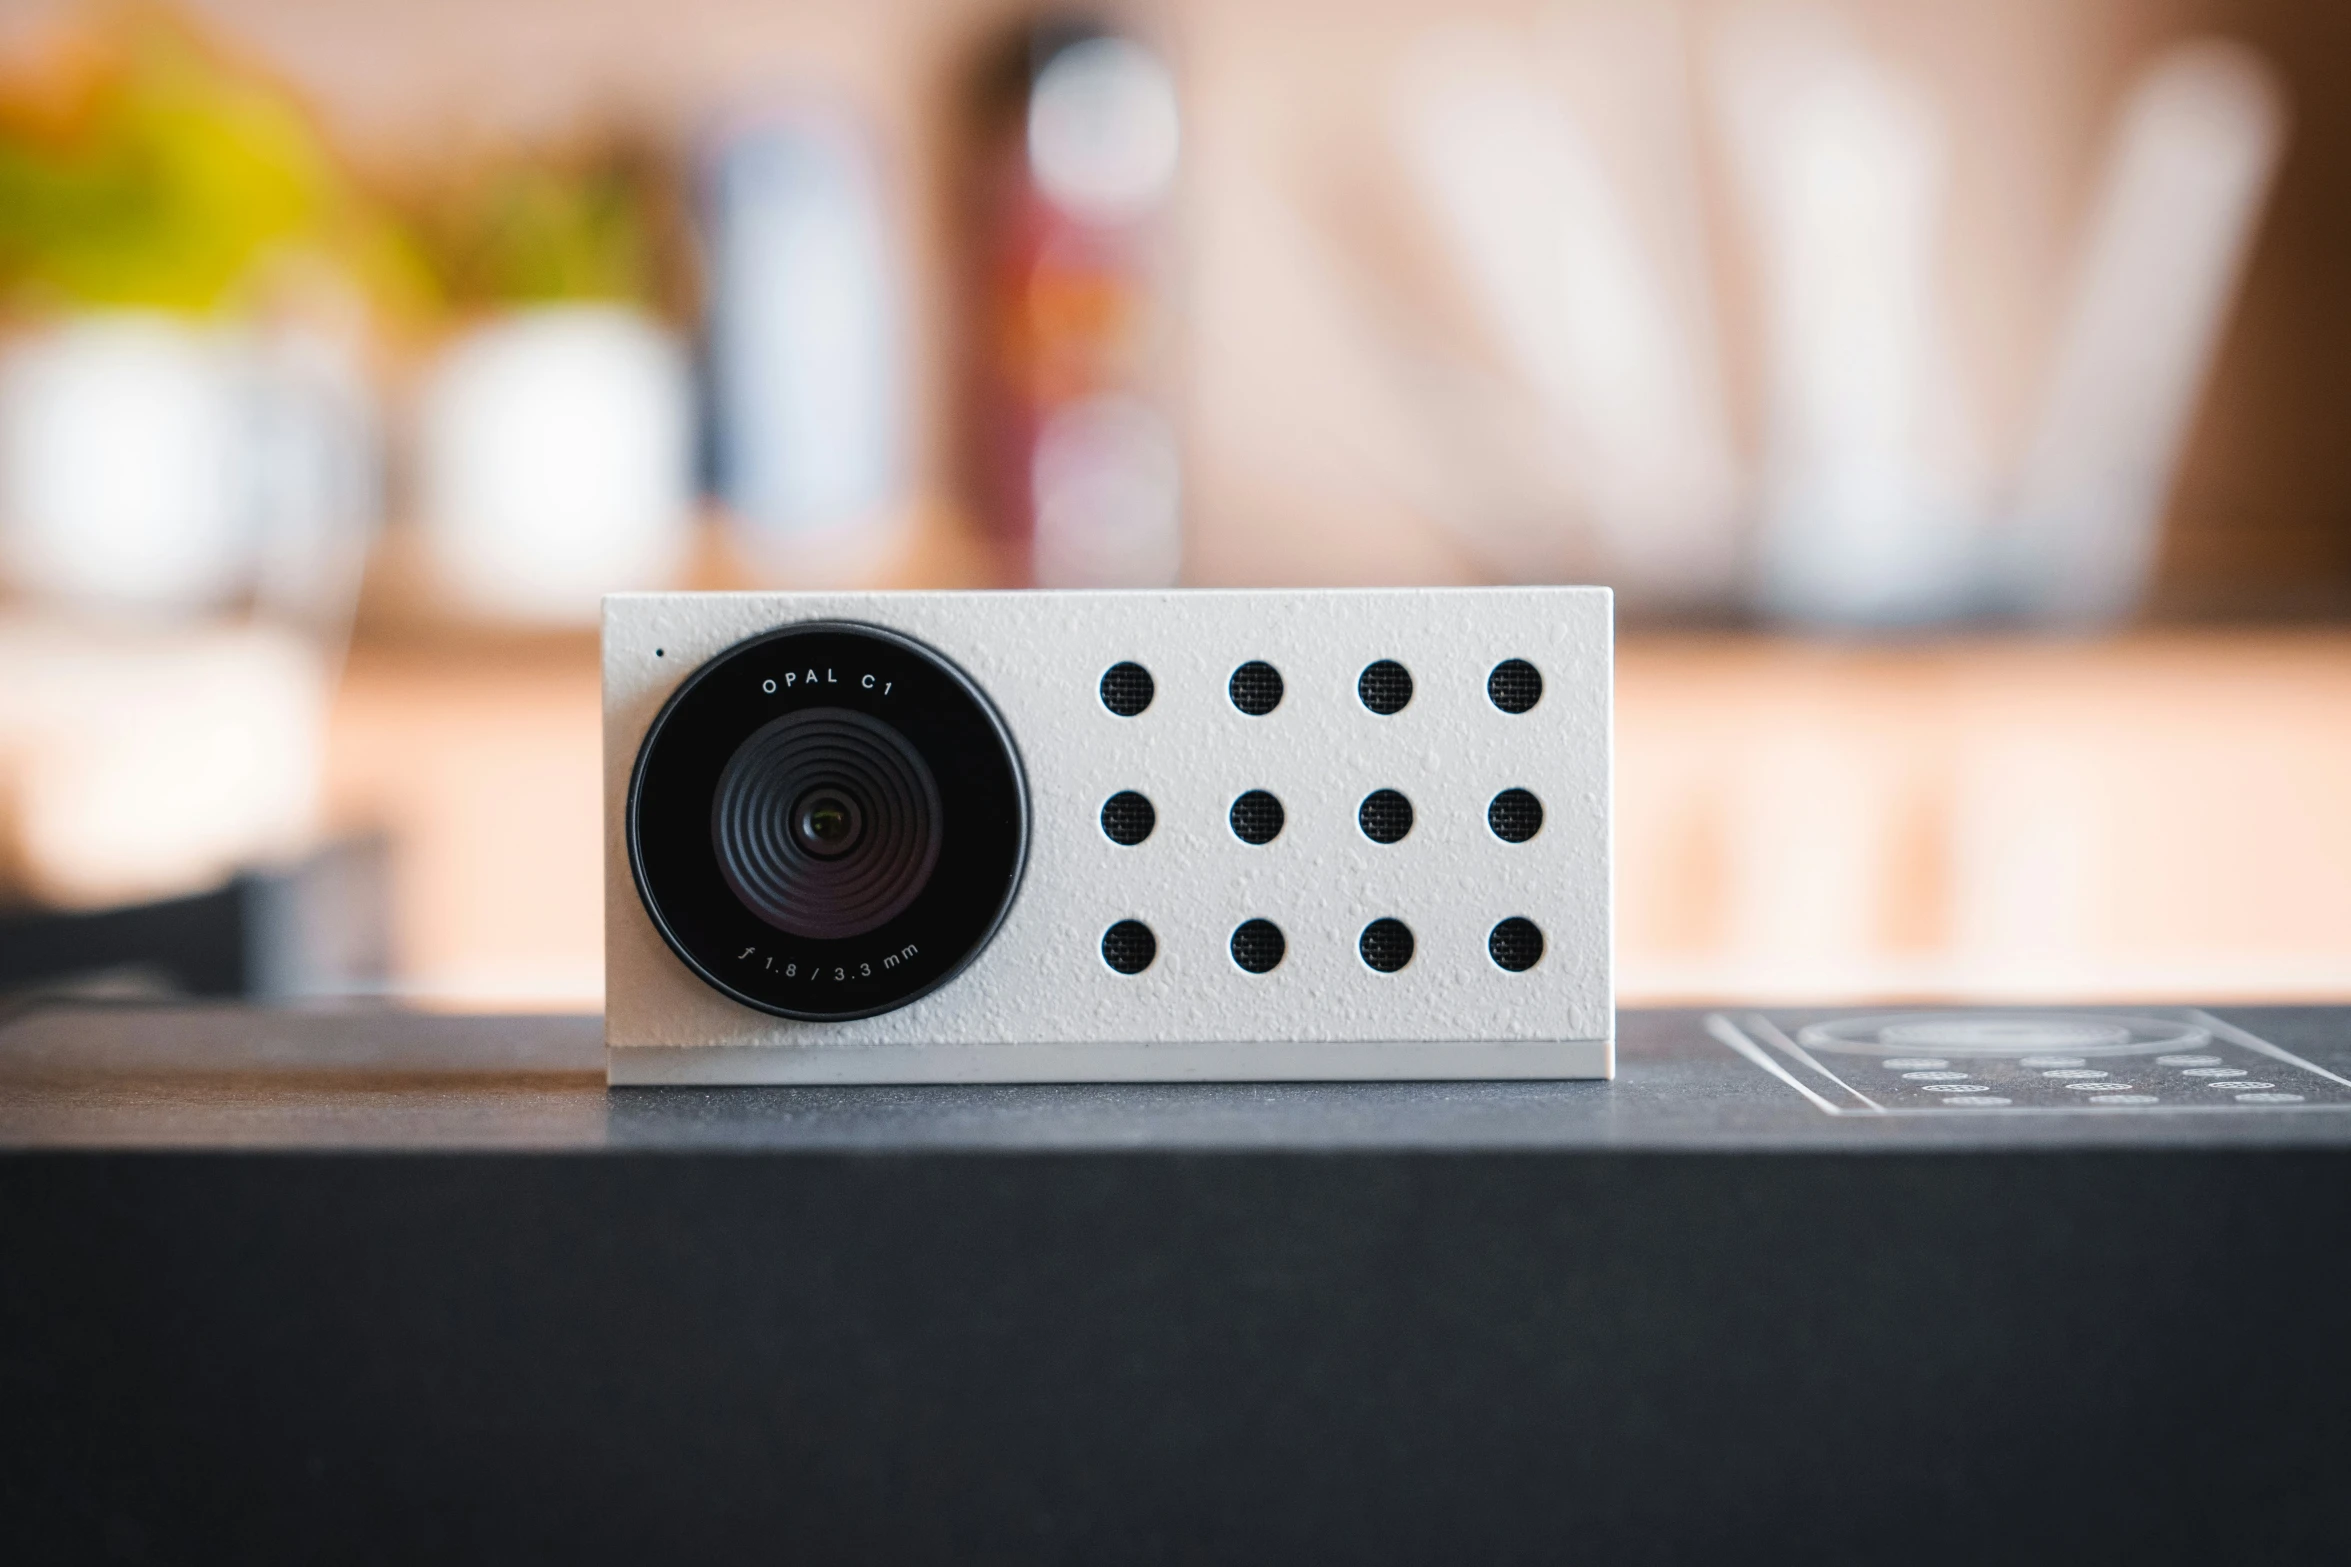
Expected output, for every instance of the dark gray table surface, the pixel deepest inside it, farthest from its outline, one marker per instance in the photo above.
(368, 1286)
(230, 1077)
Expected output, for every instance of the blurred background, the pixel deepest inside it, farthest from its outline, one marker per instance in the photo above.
(1955, 392)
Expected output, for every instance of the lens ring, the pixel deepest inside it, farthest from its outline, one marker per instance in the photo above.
(902, 737)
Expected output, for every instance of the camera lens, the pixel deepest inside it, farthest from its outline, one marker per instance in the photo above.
(827, 822)
(790, 823)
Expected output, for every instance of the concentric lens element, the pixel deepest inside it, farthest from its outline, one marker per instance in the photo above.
(1129, 946)
(1256, 688)
(1515, 815)
(1127, 818)
(1258, 946)
(1256, 817)
(826, 823)
(1127, 689)
(1515, 944)
(1386, 945)
(1514, 685)
(1385, 816)
(1384, 687)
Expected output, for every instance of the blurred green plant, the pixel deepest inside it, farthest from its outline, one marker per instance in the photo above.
(543, 230)
(140, 169)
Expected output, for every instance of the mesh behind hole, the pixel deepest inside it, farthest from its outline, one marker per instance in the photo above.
(1515, 944)
(1256, 688)
(1129, 946)
(1385, 816)
(1258, 945)
(1386, 945)
(1514, 686)
(1515, 816)
(1257, 817)
(1384, 687)
(1127, 818)
(1127, 689)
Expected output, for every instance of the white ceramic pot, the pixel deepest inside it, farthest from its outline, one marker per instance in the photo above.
(120, 467)
(555, 462)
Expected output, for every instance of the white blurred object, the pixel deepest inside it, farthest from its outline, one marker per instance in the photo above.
(1107, 479)
(1872, 507)
(1617, 348)
(555, 462)
(155, 465)
(119, 465)
(2185, 180)
(1103, 130)
(806, 348)
(145, 765)
(315, 477)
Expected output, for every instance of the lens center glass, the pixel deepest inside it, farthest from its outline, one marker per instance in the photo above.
(827, 823)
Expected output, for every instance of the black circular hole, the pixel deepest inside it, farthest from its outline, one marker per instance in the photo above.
(1257, 817)
(1515, 685)
(1515, 815)
(1127, 689)
(1385, 816)
(1129, 946)
(1386, 945)
(1256, 688)
(1127, 818)
(1384, 687)
(1515, 944)
(1258, 945)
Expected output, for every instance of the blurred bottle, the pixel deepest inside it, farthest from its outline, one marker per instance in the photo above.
(806, 347)
(1077, 463)
(1873, 494)
(555, 462)
(2185, 182)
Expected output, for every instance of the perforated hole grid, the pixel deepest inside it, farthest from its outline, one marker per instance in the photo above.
(1515, 944)
(1515, 816)
(1385, 816)
(1129, 946)
(1384, 687)
(1256, 688)
(1127, 689)
(1386, 945)
(1257, 817)
(1514, 685)
(1258, 946)
(1127, 818)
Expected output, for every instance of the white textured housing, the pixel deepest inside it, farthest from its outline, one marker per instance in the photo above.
(1039, 1003)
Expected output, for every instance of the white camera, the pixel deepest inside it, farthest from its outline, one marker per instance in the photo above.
(1072, 837)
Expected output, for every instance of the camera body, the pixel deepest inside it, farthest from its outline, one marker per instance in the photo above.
(1069, 837)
